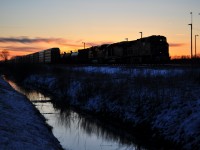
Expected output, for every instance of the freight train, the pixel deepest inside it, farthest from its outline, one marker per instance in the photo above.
(51, 55)
(152, 49)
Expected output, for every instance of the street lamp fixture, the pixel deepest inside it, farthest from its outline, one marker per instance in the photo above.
(83, 44)
(141, 34)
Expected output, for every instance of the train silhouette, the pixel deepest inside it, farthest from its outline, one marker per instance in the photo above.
(152, 49)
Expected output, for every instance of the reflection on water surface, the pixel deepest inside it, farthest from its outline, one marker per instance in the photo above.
(78, 132)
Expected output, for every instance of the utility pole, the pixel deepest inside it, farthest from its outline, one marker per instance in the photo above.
(196, 46)
(191, 33)
(83, 44)
(141, 34)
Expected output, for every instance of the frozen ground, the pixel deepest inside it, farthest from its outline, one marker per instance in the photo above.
(21, 125)
(127, 70)
(172, 108)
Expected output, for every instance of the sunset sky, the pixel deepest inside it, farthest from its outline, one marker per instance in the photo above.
(27, 26)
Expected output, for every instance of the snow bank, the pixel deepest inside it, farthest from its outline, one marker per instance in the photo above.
(180, 123)
(124, 70)
(21, 125)
(93, 69)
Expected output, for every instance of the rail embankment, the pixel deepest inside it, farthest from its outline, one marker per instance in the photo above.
(165, 99)
(21, 125)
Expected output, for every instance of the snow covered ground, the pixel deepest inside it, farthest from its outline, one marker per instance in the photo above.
(167, 99)
(127, 70)
(21, 125)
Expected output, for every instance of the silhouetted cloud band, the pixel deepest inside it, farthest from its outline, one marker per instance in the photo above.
(176, 44)
(24, 49)
(59, 41)
(30, 40)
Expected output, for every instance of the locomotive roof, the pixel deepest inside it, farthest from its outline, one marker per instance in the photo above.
(153, 37)
(125, 43)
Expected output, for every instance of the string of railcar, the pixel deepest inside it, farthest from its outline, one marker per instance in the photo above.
(152, 49)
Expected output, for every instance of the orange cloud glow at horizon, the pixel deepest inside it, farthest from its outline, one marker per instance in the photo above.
(30, 26)
(25, 45)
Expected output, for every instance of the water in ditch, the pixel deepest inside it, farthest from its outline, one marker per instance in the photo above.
(77, 131)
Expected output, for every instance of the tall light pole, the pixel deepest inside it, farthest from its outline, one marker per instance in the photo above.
(196, 46)
(83, 44)
(191, 33)
(141, 34)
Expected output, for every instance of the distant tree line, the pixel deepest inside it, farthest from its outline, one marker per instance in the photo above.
(4, 54)
(186, 60)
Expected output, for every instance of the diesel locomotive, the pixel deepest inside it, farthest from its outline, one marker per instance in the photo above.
(153, 49)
